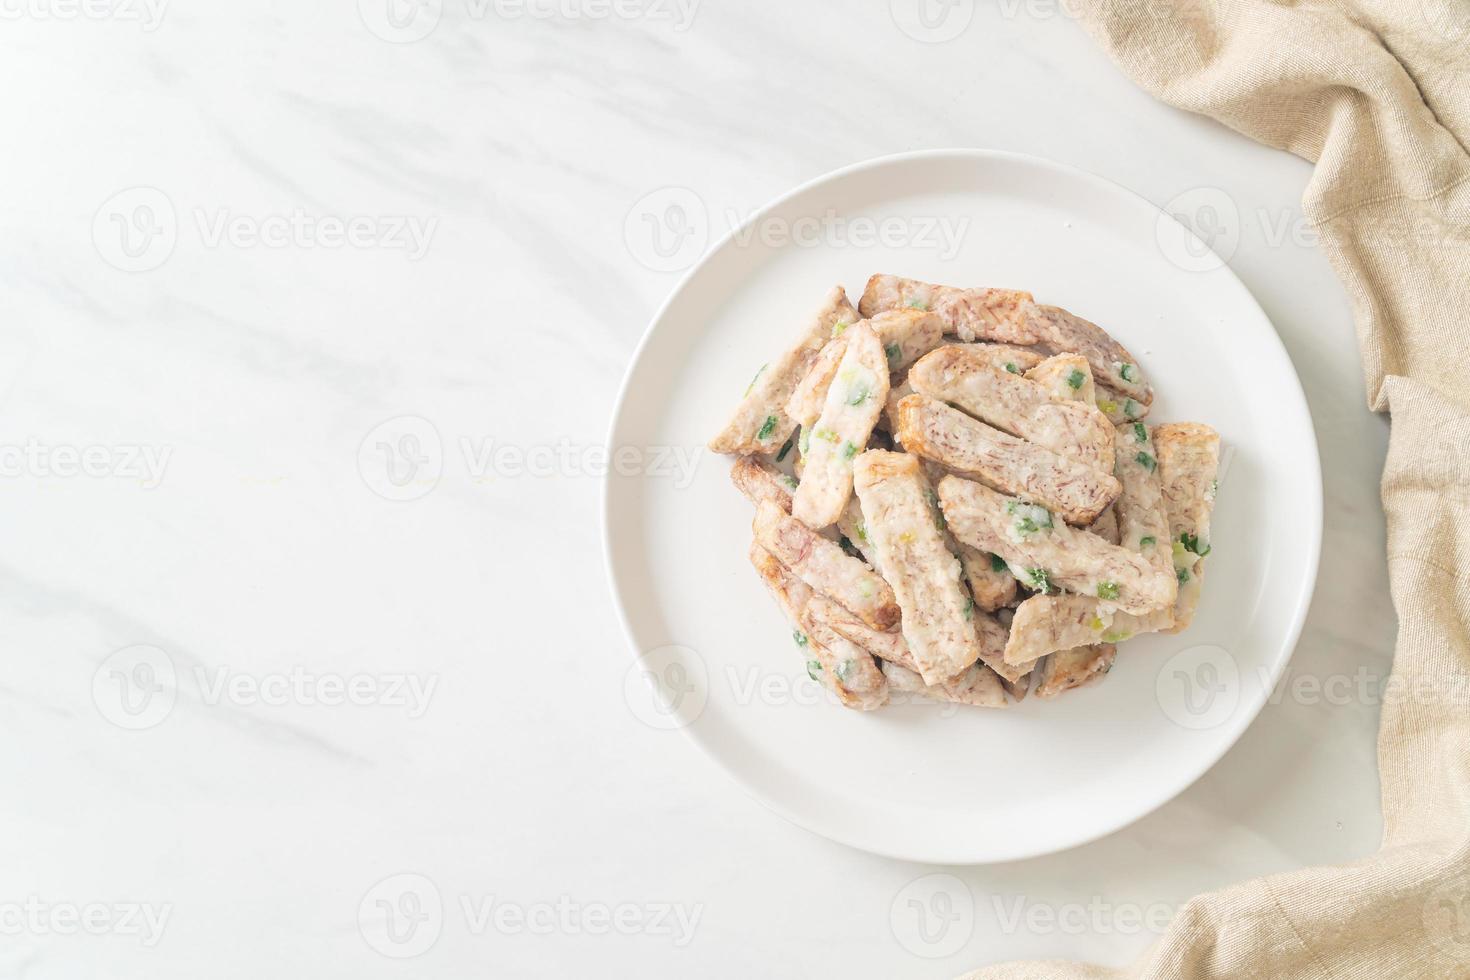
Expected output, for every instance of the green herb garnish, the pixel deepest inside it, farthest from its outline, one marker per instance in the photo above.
(1039, 578)
(1075, 379)
(998, 564)
(1191, 543)
(785, 448)
(858, 394)
(1183, 574)
(1146, 461)
(1107, 590)
(849, 450)
(1147, 540)
(1011, 367)
(1130, 409)
(969, 608)
(1127, 372)
(767, 428)
(799, 637)
(1140, 432)
(813, 668)
(894, 352)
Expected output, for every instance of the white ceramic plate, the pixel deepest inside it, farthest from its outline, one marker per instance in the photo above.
(922, 781)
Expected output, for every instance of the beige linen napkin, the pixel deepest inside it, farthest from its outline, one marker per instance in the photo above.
(1377, 93)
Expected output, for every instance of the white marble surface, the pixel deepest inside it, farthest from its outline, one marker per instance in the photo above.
(226, 522)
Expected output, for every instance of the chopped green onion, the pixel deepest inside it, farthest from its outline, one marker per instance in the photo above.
(1108, 408)
(969, 607)
(998, 564)
(1075, 379)
(805, 442)
(1130, 409)
(1011, 367)
(813, 668)
(1107, 590)
(1147, 541)
(751, 386)
(862, 532)
(1191, 543)
(844, 669)
(1140, 432)
(839, 326)
(799, 637)
(1127, 372)
(785, 448)
(1146, 461)
(1030, 517)
(894, 352)
(1039, 578)
(1183, 574)
(767, 428)
(790, 482)
(858, 394)
(849, 450)
(826, 434)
